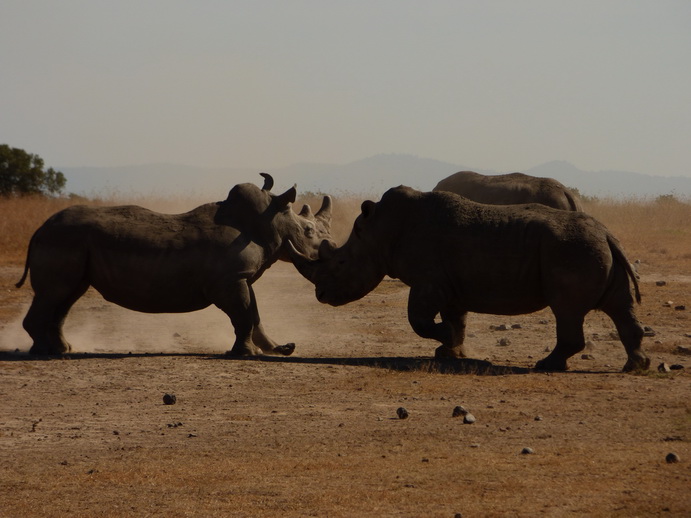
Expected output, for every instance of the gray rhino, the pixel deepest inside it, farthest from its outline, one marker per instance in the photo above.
(510, 189)
(458, 256)
(161, 263)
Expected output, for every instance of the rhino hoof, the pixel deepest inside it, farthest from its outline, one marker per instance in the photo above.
(637, 364)
(550, 365)
(285, 350)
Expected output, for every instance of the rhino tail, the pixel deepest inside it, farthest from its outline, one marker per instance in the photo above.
(620, 258)
(574, 204)
(26, 266)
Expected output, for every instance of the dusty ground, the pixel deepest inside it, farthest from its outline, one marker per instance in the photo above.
(316, 434)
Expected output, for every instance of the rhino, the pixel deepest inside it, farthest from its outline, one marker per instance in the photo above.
(169, 263)
(457, 256)
(510, 189)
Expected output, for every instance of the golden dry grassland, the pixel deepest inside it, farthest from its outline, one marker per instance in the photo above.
(650, 230)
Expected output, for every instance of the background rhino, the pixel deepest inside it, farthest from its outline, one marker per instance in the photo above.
(161, 263)
(510, 189)
(458, 256)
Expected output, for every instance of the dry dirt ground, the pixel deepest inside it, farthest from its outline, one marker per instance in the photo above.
(317, 434)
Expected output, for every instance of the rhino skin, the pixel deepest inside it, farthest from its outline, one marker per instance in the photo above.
(510, 189)
(459, 256)
(168, 263)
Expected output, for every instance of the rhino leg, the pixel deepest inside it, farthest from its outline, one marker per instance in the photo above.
(46, 316)
(424, 303)
(237, 302)
(570, 340)
(261, 339)
(631, 335)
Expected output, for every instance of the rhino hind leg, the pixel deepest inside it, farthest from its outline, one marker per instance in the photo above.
(45, 319)
(631, 335)
(570, 340)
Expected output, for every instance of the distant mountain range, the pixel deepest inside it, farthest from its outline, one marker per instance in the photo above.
(370, 176)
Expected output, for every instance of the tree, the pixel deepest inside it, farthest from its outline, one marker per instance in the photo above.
(22, 173)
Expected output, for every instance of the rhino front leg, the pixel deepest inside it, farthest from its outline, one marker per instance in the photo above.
(261, 339)
(570, 340)
(424, 303)
(237, 302)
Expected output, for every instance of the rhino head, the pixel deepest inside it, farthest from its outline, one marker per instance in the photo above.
(342, 275)
(268, 218)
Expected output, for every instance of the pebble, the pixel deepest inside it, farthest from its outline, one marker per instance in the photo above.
(169, 399)
(402, 413)
(648, 331)
(459, 411)
(516, 326)
(469, 419)
(671, 458)
(587, 357)
(660, 283)
(663, 367)
(681, 307)
(503, 342)
(538, 418)
(676, 367)
(668, 304)
(500, 327)
(527, 451)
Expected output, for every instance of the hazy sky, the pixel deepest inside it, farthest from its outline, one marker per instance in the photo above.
(502, 85)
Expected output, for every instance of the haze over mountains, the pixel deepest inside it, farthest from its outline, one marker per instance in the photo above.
(370, 176)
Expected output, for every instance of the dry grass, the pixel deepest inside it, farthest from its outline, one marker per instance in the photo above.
(664, 223)
(657, 232)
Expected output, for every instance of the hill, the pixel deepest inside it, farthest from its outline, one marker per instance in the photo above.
(371, 176)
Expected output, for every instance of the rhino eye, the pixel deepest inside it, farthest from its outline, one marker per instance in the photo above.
(310, 231)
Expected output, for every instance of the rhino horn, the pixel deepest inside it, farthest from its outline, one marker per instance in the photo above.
(303, 264)
(326, 250)
(288, 197)
(268, 181)
(306, 212)
(324, 213)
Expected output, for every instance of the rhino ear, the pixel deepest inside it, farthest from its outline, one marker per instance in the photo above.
(367, 209)
(268, 181)
(324, 212)
(287, 198)
(306, 212)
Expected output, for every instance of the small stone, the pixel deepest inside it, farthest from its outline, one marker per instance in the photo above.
(587, 357)
(176, 335)
(538, 418)
(676, 367)
(672, 458)
(500, 327)
(516, 326)
(668, 304)
(503, 342)
(469, 419)
(475, 445)
(660, 283)
(169, 399)
(681, 307)
(663, 367)
(402, 413)
(686, 351)
(648, 331)
(547, 349)
(614, 335)
(543, 322)
(459, 411)
(527, 451)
